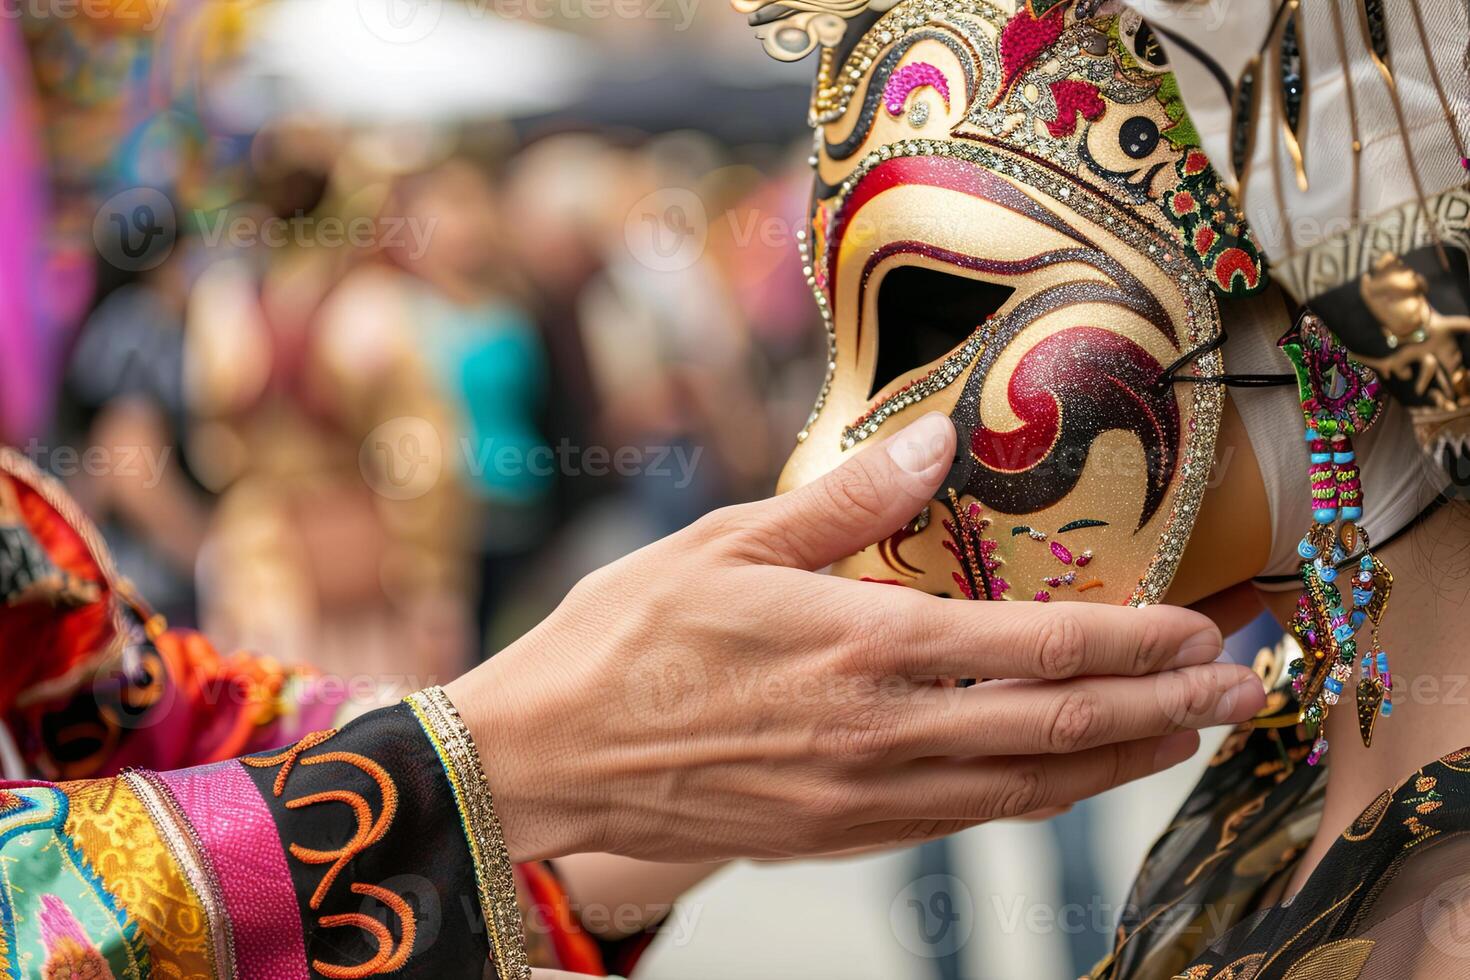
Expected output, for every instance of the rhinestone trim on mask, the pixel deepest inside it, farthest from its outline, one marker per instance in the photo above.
(947, 373)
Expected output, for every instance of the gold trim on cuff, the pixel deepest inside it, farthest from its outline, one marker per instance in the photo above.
(494, 874)
(188, 852)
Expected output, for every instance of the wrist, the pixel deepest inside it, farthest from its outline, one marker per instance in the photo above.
(511, 733)
(495, 878)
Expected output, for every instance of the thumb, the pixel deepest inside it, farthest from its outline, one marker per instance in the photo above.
(864, 500)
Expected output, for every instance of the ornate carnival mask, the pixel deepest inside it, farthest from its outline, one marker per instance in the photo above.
(1013, 223)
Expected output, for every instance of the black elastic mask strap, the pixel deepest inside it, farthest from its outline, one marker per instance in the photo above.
(1171, 373)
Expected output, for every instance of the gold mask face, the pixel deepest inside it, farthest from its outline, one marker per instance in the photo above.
(1012, 225)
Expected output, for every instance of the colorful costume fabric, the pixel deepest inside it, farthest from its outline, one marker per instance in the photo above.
(181, 841)
(1383, 903)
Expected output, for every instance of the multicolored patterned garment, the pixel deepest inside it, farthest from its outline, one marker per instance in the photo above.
(1386, 903)
(179, 842)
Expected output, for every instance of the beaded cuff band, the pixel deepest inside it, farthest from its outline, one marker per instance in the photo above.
(493, 871)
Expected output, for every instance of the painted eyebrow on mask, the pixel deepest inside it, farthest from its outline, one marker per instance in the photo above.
(1080, 524)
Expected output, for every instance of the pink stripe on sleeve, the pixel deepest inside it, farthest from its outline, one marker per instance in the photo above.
(237, 831)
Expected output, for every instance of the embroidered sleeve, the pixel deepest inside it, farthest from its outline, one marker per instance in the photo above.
(351, 853)
(530, 918)
(373, 849)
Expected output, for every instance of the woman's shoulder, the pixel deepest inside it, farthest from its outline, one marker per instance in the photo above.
(1198, 909)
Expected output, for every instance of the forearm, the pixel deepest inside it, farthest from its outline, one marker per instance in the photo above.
(615, 897)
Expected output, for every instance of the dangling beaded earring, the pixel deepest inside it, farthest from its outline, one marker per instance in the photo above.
(1340, 399)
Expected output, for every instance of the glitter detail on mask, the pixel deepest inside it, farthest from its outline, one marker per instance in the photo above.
(910, 78)
(1081, 523)
(882, 81)
(1122, 288)
(1039, 81)
(974, 552)
(1068, 390)
(945, 374)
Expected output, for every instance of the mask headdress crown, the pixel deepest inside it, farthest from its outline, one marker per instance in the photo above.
(1082, 86)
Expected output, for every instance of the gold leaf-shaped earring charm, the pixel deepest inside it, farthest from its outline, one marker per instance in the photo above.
(1370, 699)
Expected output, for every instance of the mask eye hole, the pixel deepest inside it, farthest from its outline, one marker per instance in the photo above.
(1139, 137)
(924, 313)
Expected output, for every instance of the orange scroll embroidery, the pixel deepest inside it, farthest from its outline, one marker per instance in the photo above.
(370, 830)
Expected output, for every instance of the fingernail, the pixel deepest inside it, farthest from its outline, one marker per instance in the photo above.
(1202, 648)
(1238, 703)
(1174, 749)
(918, 447)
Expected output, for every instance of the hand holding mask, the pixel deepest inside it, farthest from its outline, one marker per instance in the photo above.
(710, 697)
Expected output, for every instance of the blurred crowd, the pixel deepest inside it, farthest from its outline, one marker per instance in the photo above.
(372, 393)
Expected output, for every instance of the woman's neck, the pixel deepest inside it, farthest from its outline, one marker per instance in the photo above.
(1426, 631)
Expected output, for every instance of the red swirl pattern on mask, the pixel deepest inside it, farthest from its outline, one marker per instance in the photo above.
(1067, 390)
